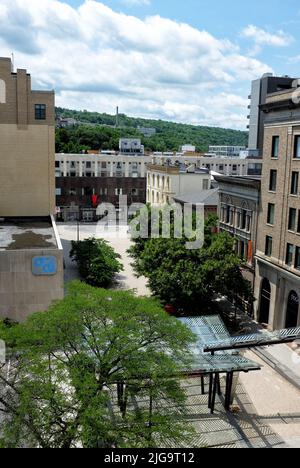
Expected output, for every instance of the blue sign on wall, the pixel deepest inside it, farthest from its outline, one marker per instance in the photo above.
(44, 266)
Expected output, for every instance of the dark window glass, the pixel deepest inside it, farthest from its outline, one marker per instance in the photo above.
(57, 164)
(271, 213)
(275, 147)
(273, 180)
(295, 183)
(227, 214)
(244, 219)
(297, 147)
(40, 112)
(297, 258)
(269, 246)
(289, 254)
(292, 219)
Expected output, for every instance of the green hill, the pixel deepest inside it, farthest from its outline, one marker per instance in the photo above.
(96, 131)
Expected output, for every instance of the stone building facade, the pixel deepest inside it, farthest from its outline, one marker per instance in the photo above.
(31, 255)
(239, 205)
(27, 183)
(277, 285)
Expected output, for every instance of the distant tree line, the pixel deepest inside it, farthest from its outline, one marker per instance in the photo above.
(96, 132)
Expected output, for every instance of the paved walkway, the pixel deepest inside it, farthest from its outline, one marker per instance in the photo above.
(120, 241)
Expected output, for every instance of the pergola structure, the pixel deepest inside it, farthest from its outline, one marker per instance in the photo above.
(210, 331)
(256, 340)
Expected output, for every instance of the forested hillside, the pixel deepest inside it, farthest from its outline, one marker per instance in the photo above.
(96, 131)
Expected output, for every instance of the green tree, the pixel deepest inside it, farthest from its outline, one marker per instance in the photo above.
(189, 279)
(104, 371)
(97, 261)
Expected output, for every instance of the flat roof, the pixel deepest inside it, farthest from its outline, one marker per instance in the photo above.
(27, 234)
(206, 197)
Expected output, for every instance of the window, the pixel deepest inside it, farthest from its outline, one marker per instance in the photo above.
(134, 192)
(269, 246)
(297, 147)
(58, 192)
(57, 164)
(119, 191)
(234, 167)
(275, 147)
(40, 112)
(273, 180)
(292, 219)
(297, 258)
(289, 254)
(88, 191)
(295, 183)
(227, 214)
(205, 185)
(298, 225)
(72, 192)
(244, 219)
(88, 165)
(271, 213)
(2, 92)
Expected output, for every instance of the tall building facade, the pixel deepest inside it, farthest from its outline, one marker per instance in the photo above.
(260, 89)
(31, 255)
(277, 285)
(27, 183)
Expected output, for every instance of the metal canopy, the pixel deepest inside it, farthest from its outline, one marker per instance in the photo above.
(263, 338)
(209, 331)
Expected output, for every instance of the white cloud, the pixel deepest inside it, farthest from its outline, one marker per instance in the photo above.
(264, 38)
(132, 3)
(97, 58)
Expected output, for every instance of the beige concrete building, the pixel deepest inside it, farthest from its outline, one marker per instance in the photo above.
(164, 183)
(248, 166)
(31, 255)
(27, 182)
(277, 285)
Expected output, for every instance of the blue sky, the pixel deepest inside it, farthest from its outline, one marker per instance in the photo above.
(190, 61)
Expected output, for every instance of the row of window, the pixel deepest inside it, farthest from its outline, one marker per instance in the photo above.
(276, 147)
(294, 182)
(294, 218)
(88, 164)
(292, 253)
(88, 191)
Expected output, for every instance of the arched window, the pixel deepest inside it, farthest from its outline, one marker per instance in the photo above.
(292, 310)
(2, 92)
(265, 300)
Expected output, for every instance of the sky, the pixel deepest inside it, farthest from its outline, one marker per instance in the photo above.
(188, 61)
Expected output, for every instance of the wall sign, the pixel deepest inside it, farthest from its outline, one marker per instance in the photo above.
(44, 266)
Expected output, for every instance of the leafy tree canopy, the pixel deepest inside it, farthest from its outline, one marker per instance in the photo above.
(97, 261)
(92, 359)
(189, 279)
(96, 132)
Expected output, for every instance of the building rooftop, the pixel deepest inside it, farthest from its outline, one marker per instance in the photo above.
(27, 234)
(207, 197)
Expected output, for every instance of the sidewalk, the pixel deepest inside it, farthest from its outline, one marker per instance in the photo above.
(283, 360)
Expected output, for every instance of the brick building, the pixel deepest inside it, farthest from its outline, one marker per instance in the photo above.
(277, 285)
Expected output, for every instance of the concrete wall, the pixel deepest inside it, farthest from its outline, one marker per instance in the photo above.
(22, 293)
(27, 151)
